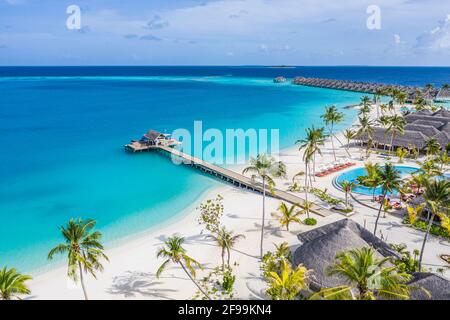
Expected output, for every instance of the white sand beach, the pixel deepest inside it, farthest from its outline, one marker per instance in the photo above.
(130, 274)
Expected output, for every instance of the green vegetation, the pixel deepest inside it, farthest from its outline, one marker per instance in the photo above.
(370, 277)
(265, 168)
(287, 215)
(174, 252)
(13, 284)
(310, 221)
(83, 249)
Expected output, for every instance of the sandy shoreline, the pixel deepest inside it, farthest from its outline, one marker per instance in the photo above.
(133, 264)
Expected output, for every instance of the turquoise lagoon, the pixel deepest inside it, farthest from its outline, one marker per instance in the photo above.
(62, 156)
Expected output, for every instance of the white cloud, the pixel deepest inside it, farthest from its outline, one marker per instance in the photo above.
(436, 39)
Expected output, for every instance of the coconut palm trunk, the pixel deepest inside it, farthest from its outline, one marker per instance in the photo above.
(228, 258)
(223, 258)
(425, 239)
(193, 280)
(332, 142)
(82, 281)
(391, 148)
(379, 213)
(263, 217)
(306, 187)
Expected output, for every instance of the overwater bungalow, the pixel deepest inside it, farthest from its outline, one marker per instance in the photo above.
(429, 95)
(280, 80)
(151, 140)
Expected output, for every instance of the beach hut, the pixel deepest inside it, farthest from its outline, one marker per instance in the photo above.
(429, 131)
(437, 287)
(321, 245)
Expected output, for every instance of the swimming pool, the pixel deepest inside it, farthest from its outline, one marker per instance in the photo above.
(352, 175)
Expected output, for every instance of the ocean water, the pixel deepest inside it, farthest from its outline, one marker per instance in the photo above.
(62, 132)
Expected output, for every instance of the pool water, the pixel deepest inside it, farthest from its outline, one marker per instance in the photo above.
(352, 176)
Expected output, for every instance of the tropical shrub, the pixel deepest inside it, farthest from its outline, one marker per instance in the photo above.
(211, 212)
(408, 262)
(435, 229)
(310, 221)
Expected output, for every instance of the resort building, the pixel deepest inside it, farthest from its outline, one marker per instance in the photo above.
(150, 140)
(421, 127)
(320, 246)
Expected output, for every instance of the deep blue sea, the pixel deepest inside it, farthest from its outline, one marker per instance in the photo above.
(62, 132)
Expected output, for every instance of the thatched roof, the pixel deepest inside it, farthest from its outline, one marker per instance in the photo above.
(443, 138)
(442, 113)
(444, 94)
(424, 112)
(405, 140)
(445, 127)
(429, 131)
(320, 246)
(152, 135)
(410, 118)
(436, 124)
(437, 286)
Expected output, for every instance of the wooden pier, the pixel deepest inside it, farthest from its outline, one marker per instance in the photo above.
(240, 180)
(154, 140)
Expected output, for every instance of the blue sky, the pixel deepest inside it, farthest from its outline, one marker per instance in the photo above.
(225, 32)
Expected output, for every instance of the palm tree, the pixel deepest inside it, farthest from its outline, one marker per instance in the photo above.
(371, 179)
(265, 168)
(348, 187)
(432, 147)
(396, 125)
(365, 106)
(287, 215)
(377, 95)
(331, 117)
(437, 198)
(12, 284)
(369, 276)
(349, 135)
(314, 139)
(444, 160)
(83, 248)
(310, 146)
(401, 97)
(287, 284)
(366, 128)
(226, 240)
(175, 253)
(389, 181)
(430, 168)
(401, 154)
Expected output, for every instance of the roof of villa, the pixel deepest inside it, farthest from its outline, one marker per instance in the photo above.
(442, 113)
(320, 246)
(153, 135)
(424, 112)
(436, 124)
(405, 140)
(444, 93)
(437, 286)
(413, 117)
(429, 131)
(443, 138)
(445, 127)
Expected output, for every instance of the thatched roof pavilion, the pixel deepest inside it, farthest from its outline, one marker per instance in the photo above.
(409, 138)
(410, 118)
(436, 124)
(443, 138)
(429, 131)
(320, 246)
(437, 286)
